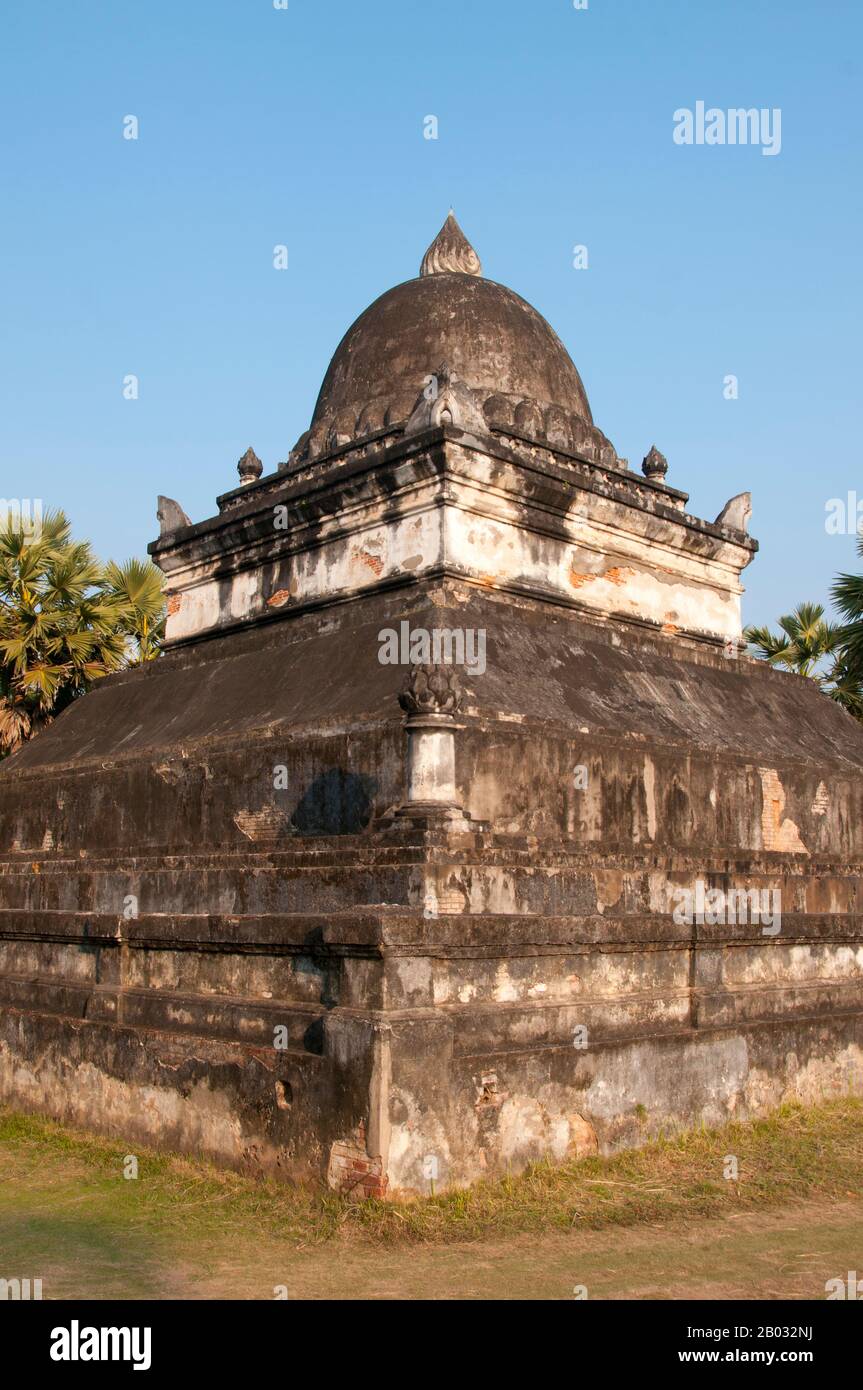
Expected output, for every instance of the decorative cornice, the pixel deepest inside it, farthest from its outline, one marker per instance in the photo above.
(543, 423)
(445, 400)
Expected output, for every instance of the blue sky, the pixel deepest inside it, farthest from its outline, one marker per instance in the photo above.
(304, 127)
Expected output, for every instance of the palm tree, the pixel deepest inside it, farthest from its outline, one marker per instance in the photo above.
(819, 650)
(846, 686)
(65, 622)
(803, 641)
(847, 594)
(137, 584)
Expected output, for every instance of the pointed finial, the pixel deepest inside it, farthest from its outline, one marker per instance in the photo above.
(250, 467)
(654, 465)
(450, 252)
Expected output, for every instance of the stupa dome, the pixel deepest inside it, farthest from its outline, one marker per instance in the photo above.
(485, 335)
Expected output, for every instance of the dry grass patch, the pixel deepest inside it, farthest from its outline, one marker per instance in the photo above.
(797, 1153)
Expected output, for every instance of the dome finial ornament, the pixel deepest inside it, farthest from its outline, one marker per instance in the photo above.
(250, 467)
(654, 465)
(451, 252)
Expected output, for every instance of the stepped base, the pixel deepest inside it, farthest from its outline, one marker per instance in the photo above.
(305, 982)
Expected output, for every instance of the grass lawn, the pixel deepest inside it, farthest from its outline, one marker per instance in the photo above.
(658, 1222)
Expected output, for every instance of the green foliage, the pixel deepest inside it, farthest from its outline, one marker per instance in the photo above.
(829, 653)
(137, 586)
(792, 1153)
(65, 622)
(803, 641)
(847, 594)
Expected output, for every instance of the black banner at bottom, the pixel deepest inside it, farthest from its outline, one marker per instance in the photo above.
(59, 1339)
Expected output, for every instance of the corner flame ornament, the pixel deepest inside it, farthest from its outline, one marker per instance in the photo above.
(431, 689)
(451, 252)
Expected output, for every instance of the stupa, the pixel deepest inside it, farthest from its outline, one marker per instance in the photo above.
(454, 829)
